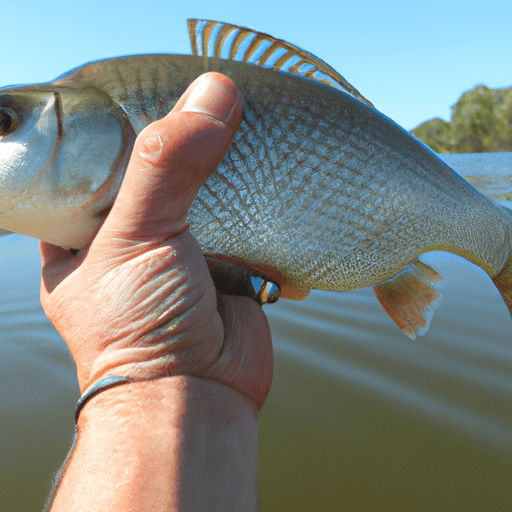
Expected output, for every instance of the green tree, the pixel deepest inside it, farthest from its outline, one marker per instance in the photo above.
(481, 122)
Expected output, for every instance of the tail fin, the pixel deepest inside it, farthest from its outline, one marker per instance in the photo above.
(503, 282)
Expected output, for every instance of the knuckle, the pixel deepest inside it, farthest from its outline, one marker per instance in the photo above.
(150, 147)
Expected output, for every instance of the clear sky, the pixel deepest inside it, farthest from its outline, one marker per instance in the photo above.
(412, 59)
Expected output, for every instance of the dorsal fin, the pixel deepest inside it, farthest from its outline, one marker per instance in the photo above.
(224, 41)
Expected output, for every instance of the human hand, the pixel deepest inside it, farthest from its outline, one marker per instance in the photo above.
(138, 301)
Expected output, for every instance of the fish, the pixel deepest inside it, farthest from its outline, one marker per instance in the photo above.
(319, 190)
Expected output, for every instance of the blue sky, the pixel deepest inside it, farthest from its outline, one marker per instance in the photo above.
(411, 59)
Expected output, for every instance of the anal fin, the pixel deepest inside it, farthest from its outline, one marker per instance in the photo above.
(410, 298)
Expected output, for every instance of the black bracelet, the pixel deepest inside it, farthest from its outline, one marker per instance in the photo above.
(100, 385)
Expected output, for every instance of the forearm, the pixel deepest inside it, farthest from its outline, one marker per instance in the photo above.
(172, 444)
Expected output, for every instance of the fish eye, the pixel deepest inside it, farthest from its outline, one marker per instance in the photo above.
(9, 121)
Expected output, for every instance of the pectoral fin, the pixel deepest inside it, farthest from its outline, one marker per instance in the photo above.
(410, 298)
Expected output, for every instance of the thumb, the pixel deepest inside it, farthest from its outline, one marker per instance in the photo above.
(172, 158)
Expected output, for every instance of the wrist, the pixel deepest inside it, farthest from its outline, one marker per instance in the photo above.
(180, 442)
(167, 397)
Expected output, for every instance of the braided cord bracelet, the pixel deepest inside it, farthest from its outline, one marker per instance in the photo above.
(94, 389)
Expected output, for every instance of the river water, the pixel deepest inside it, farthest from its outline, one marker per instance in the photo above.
(360, 418)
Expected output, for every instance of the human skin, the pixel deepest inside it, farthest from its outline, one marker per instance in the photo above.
(138, 302)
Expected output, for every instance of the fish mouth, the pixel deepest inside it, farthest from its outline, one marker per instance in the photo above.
(59, 114)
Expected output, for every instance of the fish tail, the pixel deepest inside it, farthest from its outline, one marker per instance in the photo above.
(503, 280)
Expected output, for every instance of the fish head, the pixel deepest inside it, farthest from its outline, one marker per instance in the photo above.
(63, 152)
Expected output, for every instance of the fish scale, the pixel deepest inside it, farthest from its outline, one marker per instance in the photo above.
(318, 190)
(363, 226)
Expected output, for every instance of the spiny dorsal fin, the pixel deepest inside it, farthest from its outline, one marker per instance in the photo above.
(224, 41)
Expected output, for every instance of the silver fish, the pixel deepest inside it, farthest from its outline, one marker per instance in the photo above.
(318, 190)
